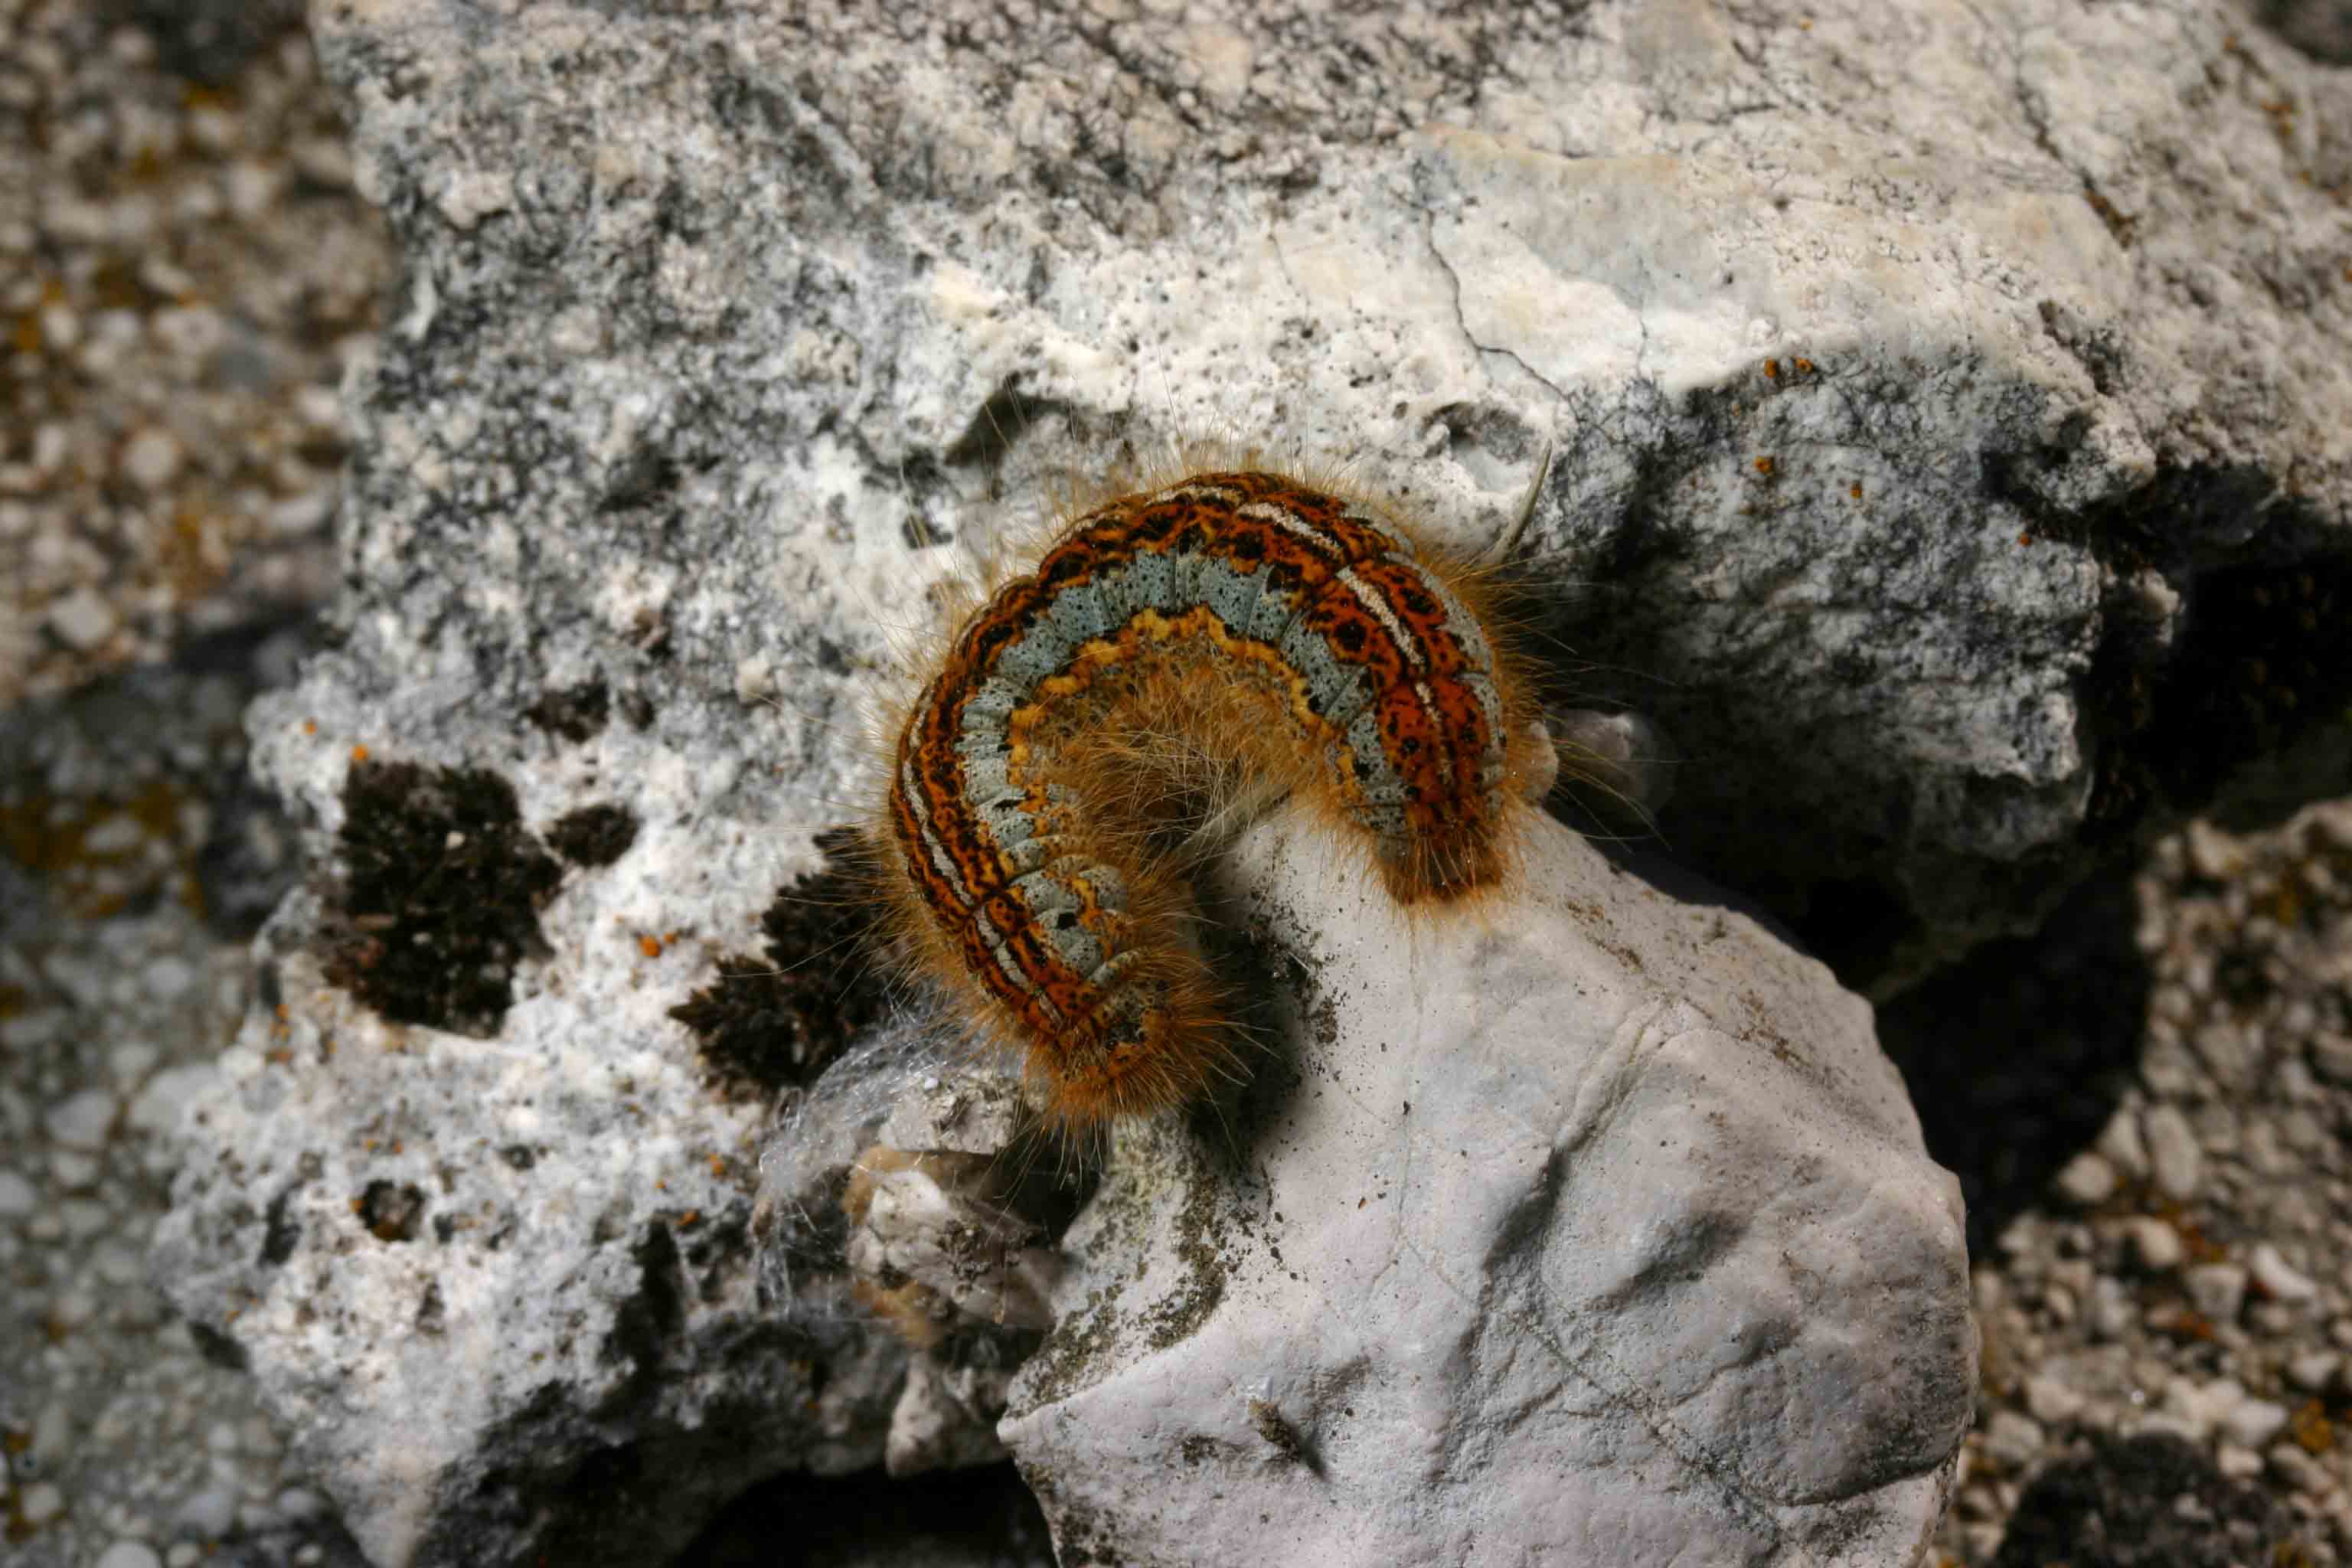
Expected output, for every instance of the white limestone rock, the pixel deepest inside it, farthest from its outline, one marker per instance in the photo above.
(1903, 435)
(720, 320)
(500, 1291)
(1591, 1228)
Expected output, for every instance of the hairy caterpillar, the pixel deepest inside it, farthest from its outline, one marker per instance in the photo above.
(1175, 653)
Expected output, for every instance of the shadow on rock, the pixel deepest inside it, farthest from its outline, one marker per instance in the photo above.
(2017, 1055)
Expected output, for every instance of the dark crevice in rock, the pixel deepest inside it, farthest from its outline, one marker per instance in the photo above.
(981, 1514)
(2017, 1055)
(391, 1210)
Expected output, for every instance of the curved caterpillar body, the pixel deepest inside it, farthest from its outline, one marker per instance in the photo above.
(1232, 634)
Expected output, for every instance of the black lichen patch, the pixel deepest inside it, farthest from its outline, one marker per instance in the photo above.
(281, 1231)
(391, 1210)
(771, 1023)
(440, 897)
(593, 835)
(1199, 1245)
(575, 713)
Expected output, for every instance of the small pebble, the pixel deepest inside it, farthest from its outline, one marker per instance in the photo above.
(2279, 1278)
(209, 1513)
(2011, 1441)
(2112, 1312)
(41, 1502)
(150, 459)
(83, 619)
(53, 1433)
(72, 1309)
(133, 1061)
(2087, 1181)
(2332, 1056)
(119, 1265)
(2312, 1370)
(2172, 1153)
(87, 1216)
(168, 978)
(157, 1106)
(2254, 1422)
(17, 1196)
(2237, 1463)
(2120, 1141)
(300, 1503)
(2154, 1245)
(119, 833)
(73, 1171)
(79, 1121)
(2298, 1469)
(129, 1554)
(2050, 1402)
(2218, 1291)
(185, 1555)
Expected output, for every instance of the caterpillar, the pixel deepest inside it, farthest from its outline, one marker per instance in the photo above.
(1176, 654)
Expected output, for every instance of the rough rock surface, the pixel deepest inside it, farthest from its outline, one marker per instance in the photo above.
(1596, 1230)
(1956, 469)
(1926, 458)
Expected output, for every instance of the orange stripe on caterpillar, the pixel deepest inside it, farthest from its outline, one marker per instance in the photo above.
(1176, 647)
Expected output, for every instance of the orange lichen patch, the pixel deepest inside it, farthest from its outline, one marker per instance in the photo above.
(1855, 491)
(1771, 370)
(2312, 1432)
(359, 753)
(310, 726)
(1764, 466)
(51, 838)
(1804, 366)
(2183, 1323)
(651, 946)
